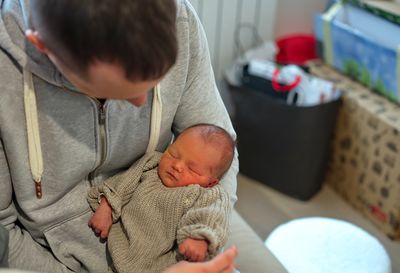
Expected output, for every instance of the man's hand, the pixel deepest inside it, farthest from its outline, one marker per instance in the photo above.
(101, 221)
(194, 250)
(222, 263)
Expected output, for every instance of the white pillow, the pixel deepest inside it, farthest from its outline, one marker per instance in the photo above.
(325, 245)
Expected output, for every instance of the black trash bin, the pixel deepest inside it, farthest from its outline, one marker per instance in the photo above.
(283, 146)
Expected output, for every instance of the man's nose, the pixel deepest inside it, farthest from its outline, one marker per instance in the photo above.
(139, 101)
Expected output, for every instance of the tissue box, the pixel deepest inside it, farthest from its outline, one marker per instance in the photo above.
(361, 45)
(365, 162)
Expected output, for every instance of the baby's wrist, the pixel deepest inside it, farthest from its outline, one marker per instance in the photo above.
(104, 203)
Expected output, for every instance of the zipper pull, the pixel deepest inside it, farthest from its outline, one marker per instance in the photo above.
(38, 188)
(102, 110)
(102, 114)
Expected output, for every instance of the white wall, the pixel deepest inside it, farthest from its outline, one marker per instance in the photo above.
(271, 18)
(296, 16)
(220, 19)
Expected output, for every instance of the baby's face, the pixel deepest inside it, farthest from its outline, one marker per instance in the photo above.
(189, 160)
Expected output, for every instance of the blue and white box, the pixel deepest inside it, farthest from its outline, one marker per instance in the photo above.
(361, 45)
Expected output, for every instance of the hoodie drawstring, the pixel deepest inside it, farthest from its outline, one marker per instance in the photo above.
(33, 133)
(32, 125)
(155, 124)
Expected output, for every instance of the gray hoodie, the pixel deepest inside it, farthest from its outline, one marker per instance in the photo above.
(71, 143)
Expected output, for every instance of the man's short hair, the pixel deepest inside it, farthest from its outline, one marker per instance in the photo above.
(139, 35)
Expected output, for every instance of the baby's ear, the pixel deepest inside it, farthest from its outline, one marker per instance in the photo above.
(212, 182)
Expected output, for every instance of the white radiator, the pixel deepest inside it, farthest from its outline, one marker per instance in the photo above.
(221, 18)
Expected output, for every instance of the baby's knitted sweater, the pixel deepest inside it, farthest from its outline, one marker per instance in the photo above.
(150, 220)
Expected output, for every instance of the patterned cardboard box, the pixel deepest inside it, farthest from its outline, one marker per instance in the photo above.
(365, 164)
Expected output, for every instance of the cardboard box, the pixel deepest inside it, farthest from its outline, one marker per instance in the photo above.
(361, 45)
(365, 163)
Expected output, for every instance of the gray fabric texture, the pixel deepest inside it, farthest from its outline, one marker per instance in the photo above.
(54, 229)
(3, 247)
(151, 219)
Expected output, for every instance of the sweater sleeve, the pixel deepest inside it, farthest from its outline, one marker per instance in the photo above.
(201, 101)
(207, 219)
(119, 188)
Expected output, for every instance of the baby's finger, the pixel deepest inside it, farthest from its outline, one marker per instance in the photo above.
(195, 257)
(189, 257)
(104, 234)
(185, 254)
(182, 249)
(202, 258)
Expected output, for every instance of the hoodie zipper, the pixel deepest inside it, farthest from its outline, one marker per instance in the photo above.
(101, 108)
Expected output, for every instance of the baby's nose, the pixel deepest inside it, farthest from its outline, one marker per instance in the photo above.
(178, 167)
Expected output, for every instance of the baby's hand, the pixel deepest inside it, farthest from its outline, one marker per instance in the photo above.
(101, 221)
(194, 250)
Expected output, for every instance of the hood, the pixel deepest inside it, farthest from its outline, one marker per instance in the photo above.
(13, 23)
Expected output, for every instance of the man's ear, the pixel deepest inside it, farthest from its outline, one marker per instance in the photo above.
(36, 40)
(212, 182)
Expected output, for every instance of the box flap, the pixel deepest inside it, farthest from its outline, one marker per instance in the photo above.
(387, 9)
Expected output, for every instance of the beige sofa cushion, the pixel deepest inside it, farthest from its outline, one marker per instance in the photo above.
(253, 257)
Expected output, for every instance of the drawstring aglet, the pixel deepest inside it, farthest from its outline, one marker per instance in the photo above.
(38, 188)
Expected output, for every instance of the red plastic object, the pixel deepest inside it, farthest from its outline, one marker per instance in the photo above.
(296, 49)
(284, 88)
